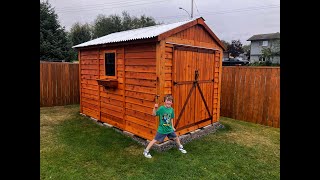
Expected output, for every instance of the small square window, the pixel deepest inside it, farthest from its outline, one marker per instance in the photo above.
(262, 59)
(265, 43)
(110, 64)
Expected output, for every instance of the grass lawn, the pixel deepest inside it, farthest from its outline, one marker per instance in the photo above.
(74, 147)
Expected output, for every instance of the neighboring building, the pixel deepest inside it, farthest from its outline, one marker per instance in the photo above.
(263, 40)
(242, 56)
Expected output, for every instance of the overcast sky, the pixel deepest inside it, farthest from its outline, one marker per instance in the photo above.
(228, 19)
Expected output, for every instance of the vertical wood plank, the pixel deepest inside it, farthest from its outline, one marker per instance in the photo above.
(99, 96)
(80, 86)
(124, 89)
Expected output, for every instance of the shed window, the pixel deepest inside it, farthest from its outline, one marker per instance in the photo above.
(110, 64)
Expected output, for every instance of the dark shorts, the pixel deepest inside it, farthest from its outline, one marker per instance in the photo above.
(160, 137)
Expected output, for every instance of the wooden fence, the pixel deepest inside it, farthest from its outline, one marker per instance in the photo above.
(247, 93)
(59, 83)
(251, 94)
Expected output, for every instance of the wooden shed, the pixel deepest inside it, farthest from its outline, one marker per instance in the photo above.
(123, 73)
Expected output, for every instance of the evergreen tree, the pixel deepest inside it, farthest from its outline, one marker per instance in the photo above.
(54, 44)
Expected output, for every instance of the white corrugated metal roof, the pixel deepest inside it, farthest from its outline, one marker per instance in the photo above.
(134, 34)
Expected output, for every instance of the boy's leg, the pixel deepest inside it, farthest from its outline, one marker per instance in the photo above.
(178, 141)
(146, 151)
(173, 136)
(176, 138)
(159, 137)
(180, 147)
(150, 144)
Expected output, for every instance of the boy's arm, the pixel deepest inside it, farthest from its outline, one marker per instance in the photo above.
(172, 125)
(154, 111)
(172, 121)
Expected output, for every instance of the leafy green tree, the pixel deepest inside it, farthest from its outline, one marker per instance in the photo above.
(226, 44)
(235, 48)
(80, 33)
(54, 44)
(104, 25)
(246, 49)
(146, 21)
(126, 21)
(248, 54)
(268, 53)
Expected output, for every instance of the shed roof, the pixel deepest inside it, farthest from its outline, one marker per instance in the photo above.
(143, 33)
(264, 36)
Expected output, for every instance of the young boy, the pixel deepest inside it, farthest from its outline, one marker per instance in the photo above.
(165, 128)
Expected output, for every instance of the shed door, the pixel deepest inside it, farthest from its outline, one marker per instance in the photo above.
(193, 87)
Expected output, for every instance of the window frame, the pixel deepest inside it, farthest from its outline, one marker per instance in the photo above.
(115, 64)
(262, 59)
(265, 43)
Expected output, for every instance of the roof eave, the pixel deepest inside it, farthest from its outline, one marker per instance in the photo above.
(261, 39)
(136, 41)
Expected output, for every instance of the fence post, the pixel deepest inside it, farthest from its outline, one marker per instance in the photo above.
(235, 90)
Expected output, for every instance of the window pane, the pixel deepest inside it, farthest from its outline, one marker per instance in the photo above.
(265, 43)
(110, 64)
(110, 58)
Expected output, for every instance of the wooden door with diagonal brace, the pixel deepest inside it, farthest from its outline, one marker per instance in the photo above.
(193, 74)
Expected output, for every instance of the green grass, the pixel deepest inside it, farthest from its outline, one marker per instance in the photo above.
(74, 147)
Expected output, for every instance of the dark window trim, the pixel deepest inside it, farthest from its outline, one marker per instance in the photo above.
(115, 64)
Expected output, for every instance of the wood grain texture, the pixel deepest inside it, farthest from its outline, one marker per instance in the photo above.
(251, 94)
(59, 84)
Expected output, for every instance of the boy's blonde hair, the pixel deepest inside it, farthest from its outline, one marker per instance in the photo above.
(168, 97)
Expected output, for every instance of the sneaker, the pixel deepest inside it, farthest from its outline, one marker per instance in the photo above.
(147, 154)
(182, 150)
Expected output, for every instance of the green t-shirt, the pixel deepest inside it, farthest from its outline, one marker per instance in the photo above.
(165, 116)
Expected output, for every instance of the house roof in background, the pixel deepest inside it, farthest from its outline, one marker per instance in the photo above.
(265, 36)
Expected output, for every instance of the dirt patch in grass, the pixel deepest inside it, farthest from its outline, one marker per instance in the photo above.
(249, 134)
(134, 150)
(252, 135)
(50, 117)
(249, 139)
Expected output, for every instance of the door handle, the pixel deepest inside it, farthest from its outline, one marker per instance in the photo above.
(196, 75)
